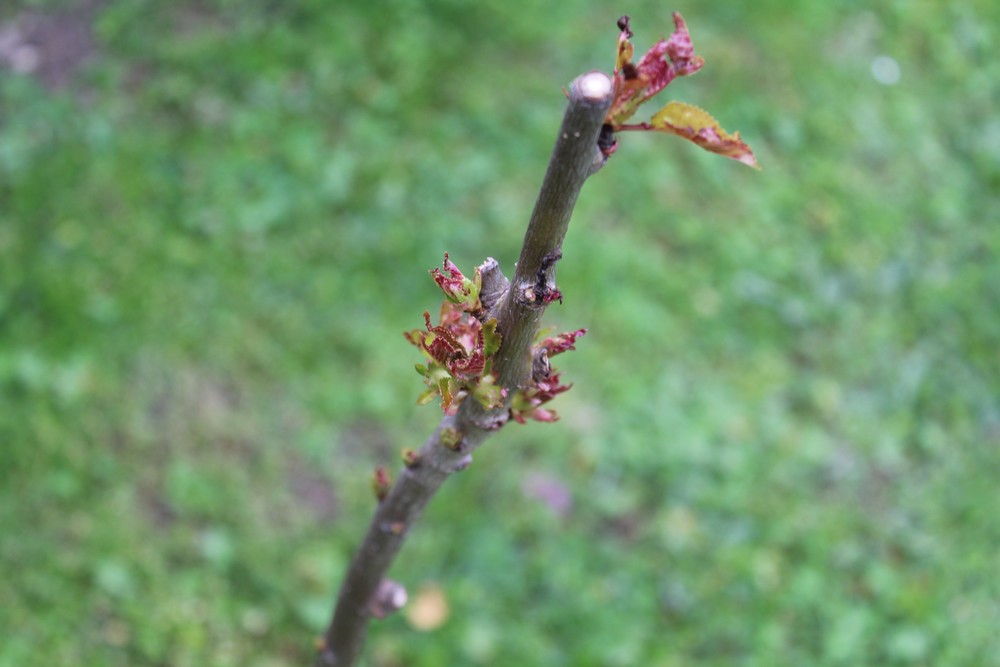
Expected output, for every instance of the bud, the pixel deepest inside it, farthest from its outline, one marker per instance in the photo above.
(411, 459)
(381, 483)
(451, 438)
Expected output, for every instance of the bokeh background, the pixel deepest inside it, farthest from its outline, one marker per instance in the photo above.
(217, 217)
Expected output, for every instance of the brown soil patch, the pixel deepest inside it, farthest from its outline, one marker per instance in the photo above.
(50, 45)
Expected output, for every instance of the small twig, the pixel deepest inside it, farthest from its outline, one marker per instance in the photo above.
(518, 309)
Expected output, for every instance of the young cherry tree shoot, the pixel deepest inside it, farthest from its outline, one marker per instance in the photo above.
(483, 358)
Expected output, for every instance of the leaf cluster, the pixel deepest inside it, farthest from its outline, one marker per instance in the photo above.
(636, 83)
(460, 350)
(461, 347)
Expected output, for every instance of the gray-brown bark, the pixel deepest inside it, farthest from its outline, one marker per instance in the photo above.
(518, 312)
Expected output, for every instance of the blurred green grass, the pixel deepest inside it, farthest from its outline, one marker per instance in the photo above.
(782, 443)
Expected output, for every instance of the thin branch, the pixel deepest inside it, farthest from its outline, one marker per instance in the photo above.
(574, 158)
(518, 312)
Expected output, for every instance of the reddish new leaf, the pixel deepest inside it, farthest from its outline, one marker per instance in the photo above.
(460, 347)
(666, 60)
(456, 287)
(636, 83)
(442, 345)
(562, 342)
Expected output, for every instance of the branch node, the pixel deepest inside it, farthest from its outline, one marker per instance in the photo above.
(381, 483)
(451, 438)
(541, 367)
(461, 464)
(392, 527)
(324, 654)
(494, 286)
(491, 421)
(529, 296)
(545, 288)
(411, 459)
(390, 596)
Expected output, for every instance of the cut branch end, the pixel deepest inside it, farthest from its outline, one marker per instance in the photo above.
(594, 86)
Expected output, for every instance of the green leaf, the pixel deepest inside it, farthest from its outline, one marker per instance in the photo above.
(487, 393)
(491, 338)
(698, 126)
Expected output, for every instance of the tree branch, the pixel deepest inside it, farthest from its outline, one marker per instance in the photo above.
(518, 309)
(574, 158)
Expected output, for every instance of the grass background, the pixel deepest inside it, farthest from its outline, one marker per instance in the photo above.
(782, 443)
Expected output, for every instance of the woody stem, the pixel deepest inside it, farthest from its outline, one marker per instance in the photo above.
(448, 450)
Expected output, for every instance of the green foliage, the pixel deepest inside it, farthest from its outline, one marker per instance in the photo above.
(782, 443)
